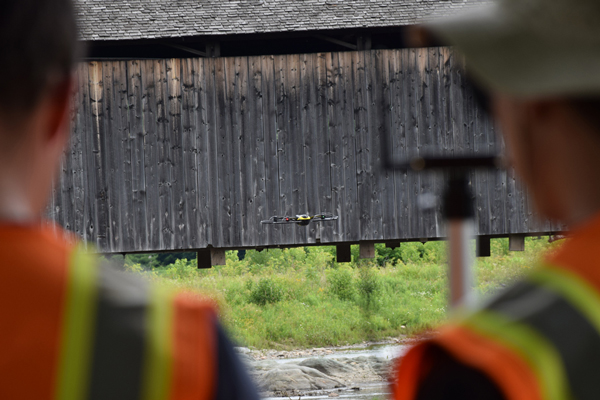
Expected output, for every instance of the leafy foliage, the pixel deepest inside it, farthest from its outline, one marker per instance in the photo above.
(155, 260)
(340, 282)
(301, 297)
(368, 286)
(267, 291)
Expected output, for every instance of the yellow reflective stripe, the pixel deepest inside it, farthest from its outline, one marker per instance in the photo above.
(572, 288)
(159, 347)
(78, 327)
(541, 356)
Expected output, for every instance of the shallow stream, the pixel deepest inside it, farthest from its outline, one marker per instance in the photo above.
(386, 351)
(369, 391)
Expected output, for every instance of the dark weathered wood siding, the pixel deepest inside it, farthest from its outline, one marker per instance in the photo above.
(186, 153)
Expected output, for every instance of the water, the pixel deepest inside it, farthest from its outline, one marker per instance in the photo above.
(367, 392)
(385, 351)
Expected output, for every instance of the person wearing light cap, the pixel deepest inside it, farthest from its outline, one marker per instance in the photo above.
(538, 61)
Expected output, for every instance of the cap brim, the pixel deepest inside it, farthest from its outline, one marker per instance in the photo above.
(508, 56)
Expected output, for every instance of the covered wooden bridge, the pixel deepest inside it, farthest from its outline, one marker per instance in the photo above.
(192, 153)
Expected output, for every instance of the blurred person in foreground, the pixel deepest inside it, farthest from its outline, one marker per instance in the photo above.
(71, 328)
(539, 62)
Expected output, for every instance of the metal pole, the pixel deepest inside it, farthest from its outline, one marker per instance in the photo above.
(459, 214)
(458, 208)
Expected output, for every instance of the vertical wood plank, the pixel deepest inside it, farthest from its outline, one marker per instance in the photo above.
(213, 132)
(522, 206)
(126, 136)
(111, 141)
(321, 146)
(363, 159)
(336, 152)
(411, 100)
(66, 202)
(512, 201)
(243, 138)
(190, 149)
(438, 131)
(224, 93)
(351, 216)
(382, 101)
(88, 175)
(270, 127)
(426, 144)
(399, 138)
(283, 148)
(296, 141)
(447, 114)
(309, 132)
(50, 207)
(498, 194)
(138, 178)
(235, 74)
(98, 167)
(447, 106)
(64, 206)
(150, 121)
(78, 132)
(205, 135)
(372, 144)
(256, 185)
(176, 155)
(481, 146)
(234, 141)
(165, 157)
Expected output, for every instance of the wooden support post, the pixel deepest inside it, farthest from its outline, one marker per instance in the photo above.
(343, 253)
(483, 246)
(367, 250)
(516, 243)
(217, 256)
(392, 245)
(203, 259)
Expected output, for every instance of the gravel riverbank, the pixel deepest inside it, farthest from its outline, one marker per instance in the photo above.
(331, 372)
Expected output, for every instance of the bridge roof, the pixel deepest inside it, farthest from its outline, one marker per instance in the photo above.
(151, 19)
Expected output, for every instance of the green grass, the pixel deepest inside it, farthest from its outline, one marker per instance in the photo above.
(301, 298)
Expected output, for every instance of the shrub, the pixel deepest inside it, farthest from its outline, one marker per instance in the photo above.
(266, 291)
(435, 252)
(385, 255)
(411, 253)
(340, 283)
(257, 258)
(368, 286)
(181, 269)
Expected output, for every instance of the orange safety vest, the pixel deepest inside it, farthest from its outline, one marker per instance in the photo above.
(71, 329)
(540, 339)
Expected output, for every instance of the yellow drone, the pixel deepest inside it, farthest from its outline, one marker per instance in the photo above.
(301, 219)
